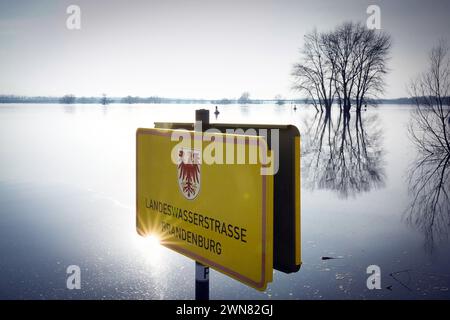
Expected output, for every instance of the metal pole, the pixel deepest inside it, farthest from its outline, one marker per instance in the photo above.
(201, 271)
(201, 281)
(202, 115)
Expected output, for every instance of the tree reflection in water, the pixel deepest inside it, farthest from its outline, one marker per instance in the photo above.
(429, 174)
(343, 154)
(429, 187)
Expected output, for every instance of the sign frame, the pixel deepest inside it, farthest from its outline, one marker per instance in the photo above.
(267, 215)
(287, 190)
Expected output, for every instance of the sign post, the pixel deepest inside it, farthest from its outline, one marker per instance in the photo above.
(201, 281)
(202, 271)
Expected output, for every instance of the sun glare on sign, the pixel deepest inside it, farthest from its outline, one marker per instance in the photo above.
(153, 241)
(150, 247)
(150, 243)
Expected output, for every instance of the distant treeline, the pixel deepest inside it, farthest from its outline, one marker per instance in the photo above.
(70, 99)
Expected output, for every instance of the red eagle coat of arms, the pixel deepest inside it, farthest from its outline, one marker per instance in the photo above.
(188, 169)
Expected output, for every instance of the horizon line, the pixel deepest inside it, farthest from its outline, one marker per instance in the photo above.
(111, 98)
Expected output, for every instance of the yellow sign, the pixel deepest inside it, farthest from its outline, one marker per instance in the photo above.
(195, 195)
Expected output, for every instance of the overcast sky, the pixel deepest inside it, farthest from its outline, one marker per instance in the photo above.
(192, 48)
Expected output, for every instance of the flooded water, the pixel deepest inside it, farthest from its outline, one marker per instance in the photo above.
(67, 197)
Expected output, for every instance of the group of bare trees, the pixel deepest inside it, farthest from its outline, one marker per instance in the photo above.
(68, 99)
(346, 66)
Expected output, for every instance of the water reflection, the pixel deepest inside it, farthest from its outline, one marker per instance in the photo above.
(343, 153)
(69, 108)
(76, 206)
(429, 176)
(244, 110)
(104, 109)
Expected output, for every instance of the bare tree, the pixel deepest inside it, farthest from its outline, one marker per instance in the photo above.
(279, 99)
(244, 98)
(315, 73)
(341, 50)
(361, 57)
(129, 99)
(104, 99)
(68, 99)
(372, 56)
(431, 94)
